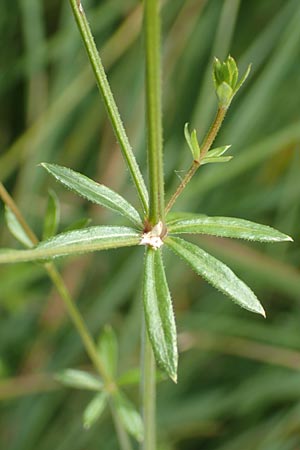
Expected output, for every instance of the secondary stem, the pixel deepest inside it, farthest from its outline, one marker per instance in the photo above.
(153, 108)
(73, 312)
(205, 146)
(109, 101)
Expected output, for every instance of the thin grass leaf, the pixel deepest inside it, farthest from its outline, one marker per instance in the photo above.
(216, 273)
(129, 416)
(79, 379)
(94, 410)
(16, 229)
(159, 313)
(75, 242)
(52, 216)
(108, 349)
(227, 227)
(94, 192)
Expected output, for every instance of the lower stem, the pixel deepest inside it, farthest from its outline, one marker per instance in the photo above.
(78, 323)
(148, 393)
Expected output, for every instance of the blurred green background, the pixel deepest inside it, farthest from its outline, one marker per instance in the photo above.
(239, 378)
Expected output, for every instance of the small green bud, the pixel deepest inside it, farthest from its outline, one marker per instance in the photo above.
(225, 94)
(226, 82)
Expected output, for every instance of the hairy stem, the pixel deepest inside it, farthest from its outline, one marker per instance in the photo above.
(205, 147)
(153, 109)
(109, 101)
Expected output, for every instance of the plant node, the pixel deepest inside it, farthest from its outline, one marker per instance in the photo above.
(154, 237)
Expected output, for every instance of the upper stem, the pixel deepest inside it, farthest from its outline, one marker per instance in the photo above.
(212, 132)
(109, 101)
(205, 147)
(153, 109)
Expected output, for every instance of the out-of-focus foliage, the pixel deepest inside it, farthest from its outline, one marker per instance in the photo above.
(239, 374)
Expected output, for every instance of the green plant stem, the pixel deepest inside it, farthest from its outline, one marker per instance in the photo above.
(156, 189)
(74, 314)
(148, 393)
(153, 110)
(78, 322)
(109, 101)
(205, 147)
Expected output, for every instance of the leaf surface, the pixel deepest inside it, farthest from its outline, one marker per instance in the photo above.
(94, 410)
(216, 273)
(159, 313)
(94, 192)
(227, 227)
(108, 350)
(79, 379)
(76, 242)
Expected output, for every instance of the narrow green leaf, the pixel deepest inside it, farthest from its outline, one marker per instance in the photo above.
(192, 142)
(195, 145)
(79, 379)
(94, 192)
(108, 349)
(219, 159)
(52, 216)
(174, 216)
(227, 227)
(94, 410)
(129, 416)
(216, 273)
(159, 313)
(76, 242)
(16, 229)
(219, 151)
(243, 79)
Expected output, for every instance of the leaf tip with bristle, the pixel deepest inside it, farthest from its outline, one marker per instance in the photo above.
(174, 377)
